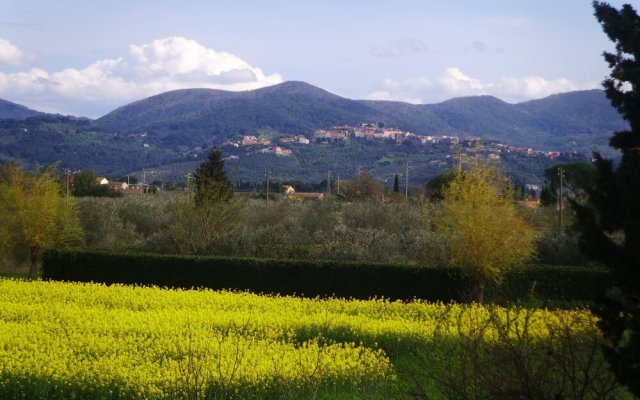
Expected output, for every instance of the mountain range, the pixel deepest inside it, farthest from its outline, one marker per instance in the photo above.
(173, 127)
(580, 121)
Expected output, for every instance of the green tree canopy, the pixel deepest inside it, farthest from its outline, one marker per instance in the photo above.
(33, 214)
(577, 178)
(484, 232)
(196, 228)
(363, 187)
(85, 184)
(435, 187)
(210, 180)
(199, 221)
(610, 222)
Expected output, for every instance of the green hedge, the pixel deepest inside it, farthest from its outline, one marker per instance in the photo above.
(316, 278)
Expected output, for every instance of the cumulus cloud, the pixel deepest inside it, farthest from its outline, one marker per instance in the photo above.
(12, 55)
(406, 90)
(148, 69)
(454, 83)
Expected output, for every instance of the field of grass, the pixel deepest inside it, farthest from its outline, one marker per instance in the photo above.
(66, 340)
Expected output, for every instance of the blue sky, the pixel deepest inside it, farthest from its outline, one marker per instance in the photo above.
(88, 58)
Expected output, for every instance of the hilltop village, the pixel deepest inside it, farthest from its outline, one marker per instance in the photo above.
(282, 145)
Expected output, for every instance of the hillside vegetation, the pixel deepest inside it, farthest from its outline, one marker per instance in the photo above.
(169, 130)
(297, 107)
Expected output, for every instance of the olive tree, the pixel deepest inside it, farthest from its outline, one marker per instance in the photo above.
(196, 227)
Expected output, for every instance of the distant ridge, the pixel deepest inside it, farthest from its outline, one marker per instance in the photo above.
(173, 131)
(288, 107)
(581, 120)
(9, 110)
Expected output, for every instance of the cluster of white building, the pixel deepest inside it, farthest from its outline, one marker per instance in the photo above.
(362, 131)
(266, 144)
(379, 132)
(376, 131)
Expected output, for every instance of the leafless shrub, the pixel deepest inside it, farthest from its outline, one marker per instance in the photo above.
(501, 357)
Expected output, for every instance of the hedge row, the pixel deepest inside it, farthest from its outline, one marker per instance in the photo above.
(317, 278)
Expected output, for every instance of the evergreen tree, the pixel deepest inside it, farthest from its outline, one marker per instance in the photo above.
(610, 222)
(210, 180)
(396, 184)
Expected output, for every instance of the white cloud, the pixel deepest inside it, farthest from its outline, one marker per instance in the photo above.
(531, 87)
(454, 83)
(148, 69)
(406, 90)
(12, 55)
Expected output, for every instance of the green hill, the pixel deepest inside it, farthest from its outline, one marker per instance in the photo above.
(203, 115)
(171, 131)
(580, 121)
(11, 110)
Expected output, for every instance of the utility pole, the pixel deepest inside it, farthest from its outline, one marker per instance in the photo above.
(561, 175)
(328, 184)
(267, 173)
(406, 184)
(459, 157)
(188, 182)
(338, 185)
(67, 173)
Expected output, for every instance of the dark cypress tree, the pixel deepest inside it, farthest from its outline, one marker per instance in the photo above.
(396, 184)
(210, 180)
(610, 222)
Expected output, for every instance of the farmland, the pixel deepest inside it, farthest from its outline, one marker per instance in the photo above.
(70, 340)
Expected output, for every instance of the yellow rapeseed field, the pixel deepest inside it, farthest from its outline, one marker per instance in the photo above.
(72, 340)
